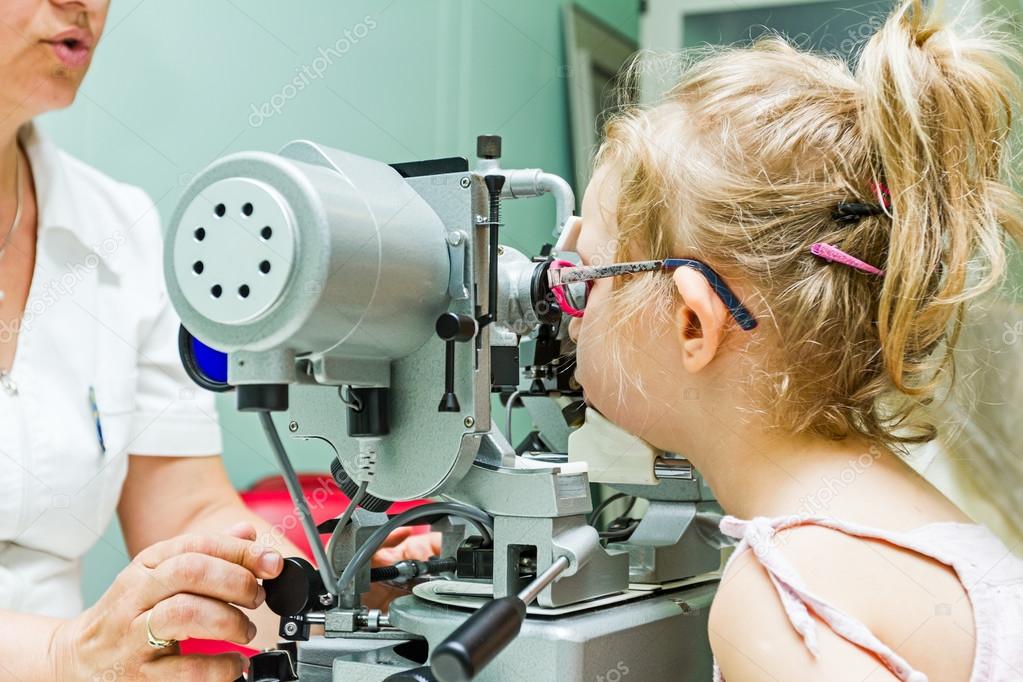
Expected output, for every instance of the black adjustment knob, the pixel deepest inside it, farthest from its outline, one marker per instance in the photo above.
(488, 146)
(449, 403)
(271, 666)
(296, 590)
(455, 327)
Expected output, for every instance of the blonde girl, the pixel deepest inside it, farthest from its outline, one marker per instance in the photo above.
(800, 242)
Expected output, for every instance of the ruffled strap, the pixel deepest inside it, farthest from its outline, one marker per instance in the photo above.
(758, 534)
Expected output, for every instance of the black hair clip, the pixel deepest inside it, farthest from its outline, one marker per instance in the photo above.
(850, 211)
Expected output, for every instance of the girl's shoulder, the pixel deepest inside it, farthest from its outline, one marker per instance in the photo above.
(793, 589)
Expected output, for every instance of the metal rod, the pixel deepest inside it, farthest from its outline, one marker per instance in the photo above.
(528, 594)
(291, 482)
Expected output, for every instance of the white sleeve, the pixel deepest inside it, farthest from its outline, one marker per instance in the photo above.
(173, 416)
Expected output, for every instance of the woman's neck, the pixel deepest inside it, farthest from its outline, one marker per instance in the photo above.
(8, 171)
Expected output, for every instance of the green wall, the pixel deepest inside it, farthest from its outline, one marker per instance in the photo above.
(175, 85)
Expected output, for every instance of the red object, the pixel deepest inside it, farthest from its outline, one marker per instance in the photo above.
(269, 499)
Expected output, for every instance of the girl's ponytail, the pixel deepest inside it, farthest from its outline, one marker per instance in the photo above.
(937, 111)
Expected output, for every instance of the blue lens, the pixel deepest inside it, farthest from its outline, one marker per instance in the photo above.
(211, 362)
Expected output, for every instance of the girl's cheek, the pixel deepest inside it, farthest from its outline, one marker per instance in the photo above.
(573, 329)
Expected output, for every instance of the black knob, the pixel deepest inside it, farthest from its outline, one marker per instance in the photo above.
(296, 590)
(488, 146)
(455, 327)
(449, 403)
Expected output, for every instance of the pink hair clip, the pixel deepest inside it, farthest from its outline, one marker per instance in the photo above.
(837, 255)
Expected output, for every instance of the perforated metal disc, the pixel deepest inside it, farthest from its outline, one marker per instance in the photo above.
(234, 250)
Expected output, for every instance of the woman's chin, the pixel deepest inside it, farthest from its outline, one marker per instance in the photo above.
(58, 93)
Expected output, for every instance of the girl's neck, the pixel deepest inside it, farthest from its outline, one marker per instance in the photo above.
(754, 474)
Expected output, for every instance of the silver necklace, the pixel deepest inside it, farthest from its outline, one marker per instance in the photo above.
(5, 378)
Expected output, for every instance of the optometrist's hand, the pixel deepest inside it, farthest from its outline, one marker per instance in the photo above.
(401, 545)
(186, 587)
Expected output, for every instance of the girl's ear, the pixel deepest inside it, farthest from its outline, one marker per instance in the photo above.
(700, 319)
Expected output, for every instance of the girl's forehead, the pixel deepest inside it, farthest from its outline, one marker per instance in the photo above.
(599, 207)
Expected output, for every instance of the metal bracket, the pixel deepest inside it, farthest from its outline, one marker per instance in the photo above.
(456, 256)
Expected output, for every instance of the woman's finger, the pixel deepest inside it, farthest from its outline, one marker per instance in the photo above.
(184, 616)
(243, 530)
(385, 557)
(203, 575)
(261, 561)
(219, 668)
(397, 536)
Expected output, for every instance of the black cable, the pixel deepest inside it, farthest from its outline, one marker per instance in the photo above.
(428, 567)
(595, 514)
(624, 533)
(483, 522)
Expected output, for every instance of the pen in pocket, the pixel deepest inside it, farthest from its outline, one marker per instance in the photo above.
(95, 416)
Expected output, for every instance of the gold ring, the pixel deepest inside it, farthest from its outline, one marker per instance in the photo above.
(155, 641)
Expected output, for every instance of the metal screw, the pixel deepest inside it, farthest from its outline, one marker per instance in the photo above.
(455, 238)
(469, 421)
(465, 181)
(500, 250)
(290, 629)
(293, 426)
(326, 599)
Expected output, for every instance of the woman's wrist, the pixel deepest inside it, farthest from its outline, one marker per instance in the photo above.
(59, 650)
(27, 648)
(78, 646)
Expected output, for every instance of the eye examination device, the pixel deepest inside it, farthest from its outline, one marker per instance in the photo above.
(375, 307)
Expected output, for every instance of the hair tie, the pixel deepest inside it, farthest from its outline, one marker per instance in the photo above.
(837, 255)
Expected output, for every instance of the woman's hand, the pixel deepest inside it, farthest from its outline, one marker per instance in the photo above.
(188, 586)
(401, 545)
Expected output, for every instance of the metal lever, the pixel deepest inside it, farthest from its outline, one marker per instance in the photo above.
(486, 633)
(453, 328)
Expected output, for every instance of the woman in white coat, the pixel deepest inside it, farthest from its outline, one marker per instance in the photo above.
(96, 414)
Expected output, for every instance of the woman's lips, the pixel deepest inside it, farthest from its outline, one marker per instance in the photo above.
(72, 47)
(72, 54)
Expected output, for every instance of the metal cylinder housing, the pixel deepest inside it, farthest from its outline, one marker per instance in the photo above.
(313, 249)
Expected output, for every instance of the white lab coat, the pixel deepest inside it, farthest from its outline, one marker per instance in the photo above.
(97, 318)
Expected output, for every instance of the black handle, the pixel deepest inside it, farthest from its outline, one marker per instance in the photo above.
(478, 640)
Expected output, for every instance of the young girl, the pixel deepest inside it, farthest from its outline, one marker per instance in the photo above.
(838, 224)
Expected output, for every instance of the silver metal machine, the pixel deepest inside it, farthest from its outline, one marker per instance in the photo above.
(374, 304)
